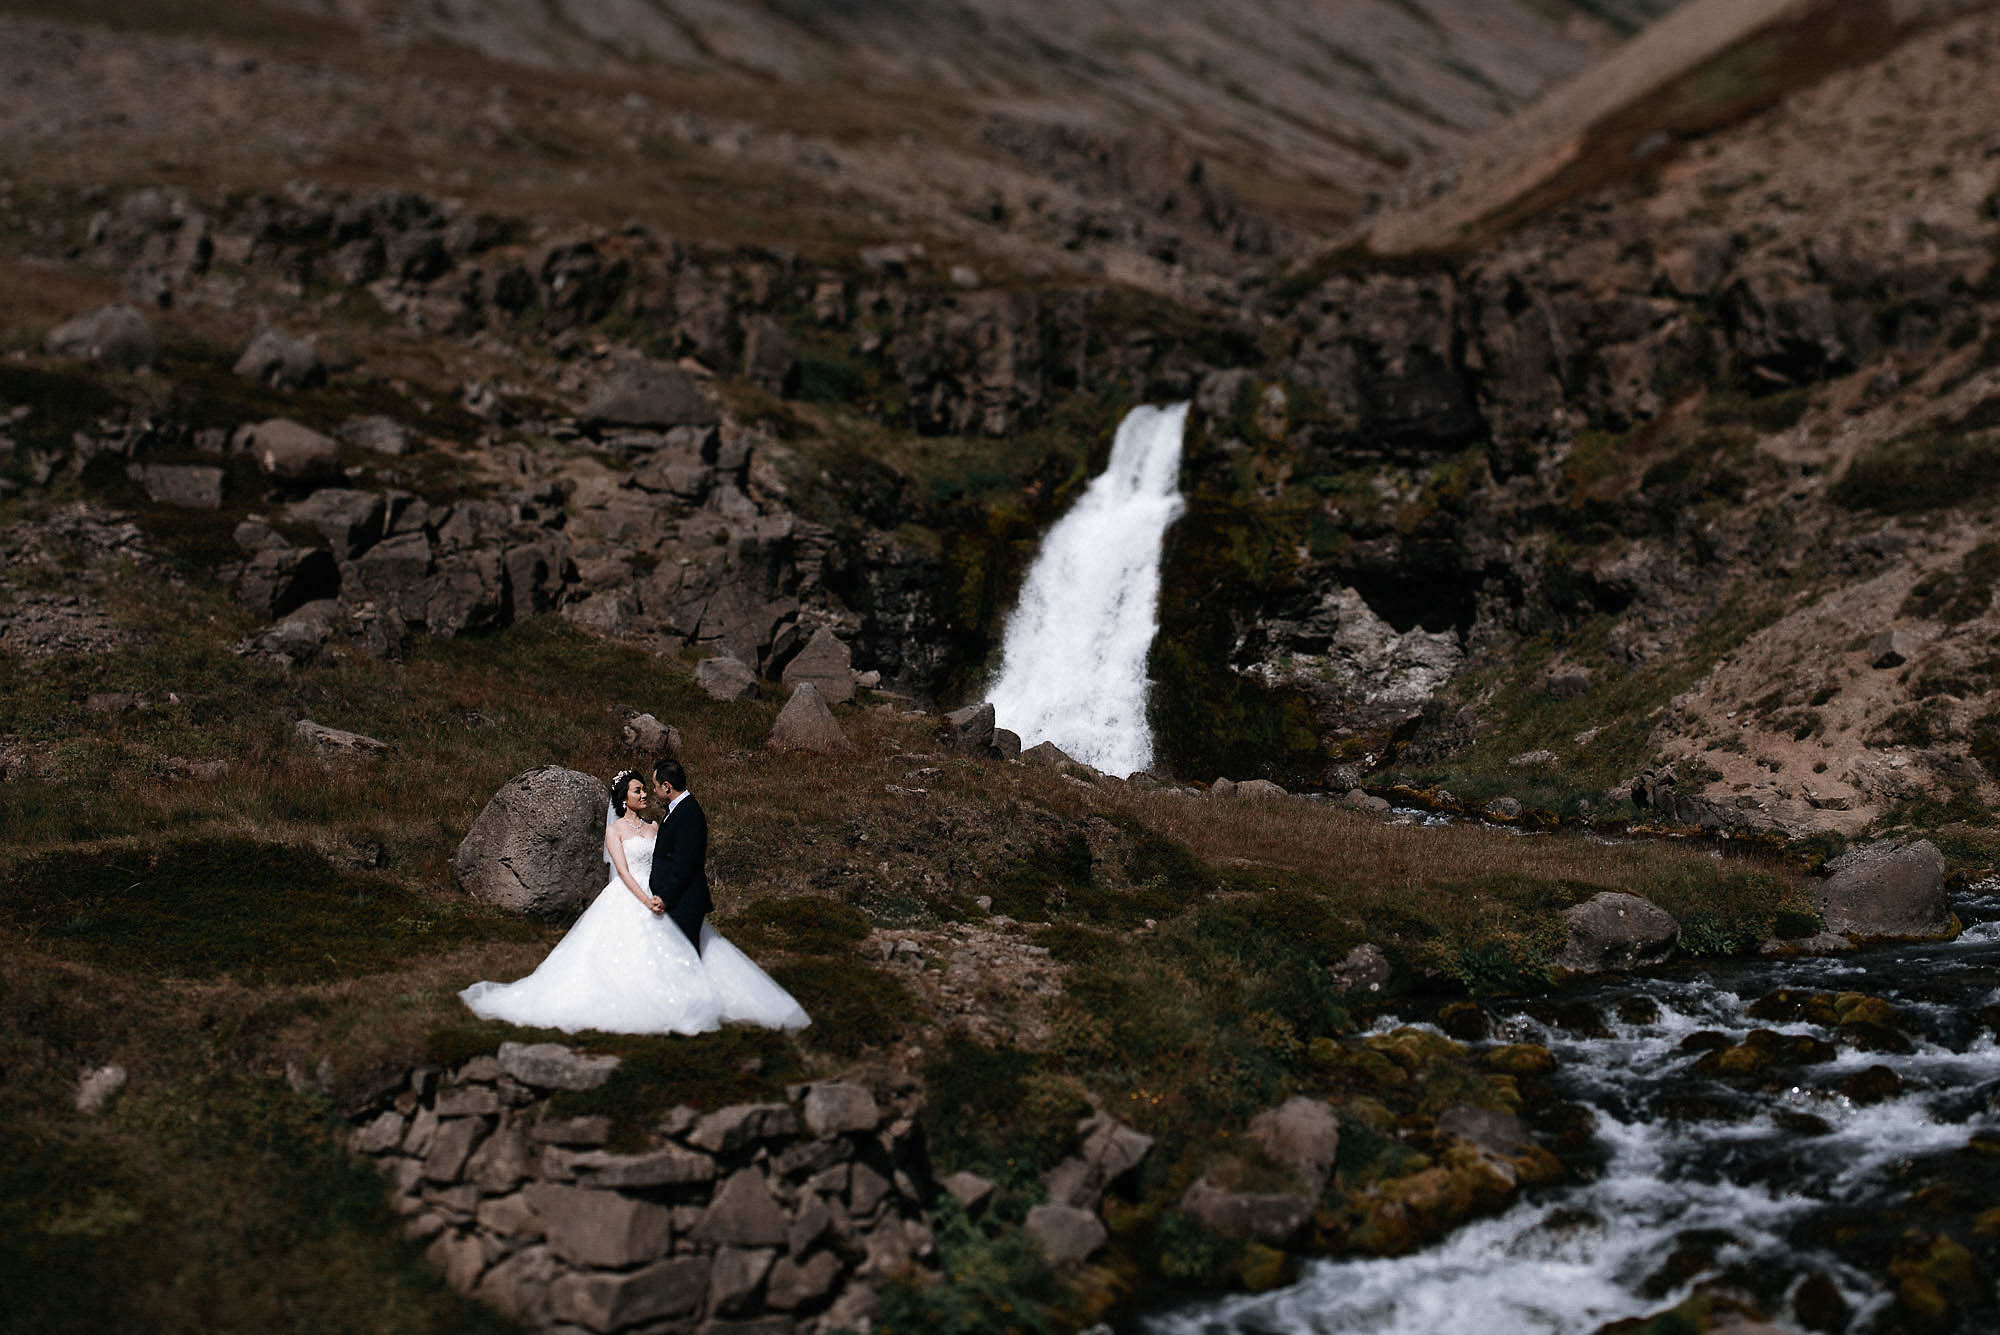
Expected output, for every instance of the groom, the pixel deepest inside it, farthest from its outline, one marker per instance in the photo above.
(680, 857)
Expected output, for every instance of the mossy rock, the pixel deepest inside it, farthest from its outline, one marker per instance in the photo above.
(1521, 1060)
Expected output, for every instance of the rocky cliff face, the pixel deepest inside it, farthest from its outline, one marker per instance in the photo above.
(1691, 471)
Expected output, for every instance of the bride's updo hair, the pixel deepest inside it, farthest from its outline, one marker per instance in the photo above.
(619, 782)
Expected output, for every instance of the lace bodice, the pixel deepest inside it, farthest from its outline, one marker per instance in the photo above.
(639, 853)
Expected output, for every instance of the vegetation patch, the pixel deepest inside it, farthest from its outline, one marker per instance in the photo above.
(1957, 596)
(251, 910)
(852, 1006)
(1932, 470)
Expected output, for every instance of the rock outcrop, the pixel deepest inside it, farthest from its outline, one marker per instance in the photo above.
(1612, 930)
(1890, 893)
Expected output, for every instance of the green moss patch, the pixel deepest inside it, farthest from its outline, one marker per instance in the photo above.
(852, 1005)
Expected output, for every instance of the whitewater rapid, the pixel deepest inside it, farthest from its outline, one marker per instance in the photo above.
(1073, 663)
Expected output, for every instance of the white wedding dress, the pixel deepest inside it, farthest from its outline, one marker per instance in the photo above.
(624, 970)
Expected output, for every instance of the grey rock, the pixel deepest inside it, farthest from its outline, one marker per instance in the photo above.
(744, 1213)
(1487, 1128)
(735, 1276)
(725, 678)
(1502, 809)
(836, 1109)
(971, 728)
(1111, 1149)
(795, 1284)
(278, 580)
(1300, 1135)
(554, 1066)
(1532, 760)
(1222, 788)
(1358, 800)
(379, 1134)
(866, 1189)
(1267, 1217)
(281, 361)
(1612, 930)
(459, 1256)
(502, 1162)
(1363, 969)
(468, 1101)
(600, 1228)
(970, 1190)
(289, 451)
(827, 664)
(350, 521)
(538, 847)
(813, 1222)
(96, 1088)
(1892, 648)
(1262, 789)
(584, 1131)
(518, 1286)
(1065, 1235)
(184, 486)
(805, 724)
(451, 1147)
(1046, 755)
(604, 1303)
(665, 1167)
(378, 435)
(115, 336)
(650, 737)
(1893, 893)
(1006, 744)
(741, 1125)
(650, 394)
(336, 743)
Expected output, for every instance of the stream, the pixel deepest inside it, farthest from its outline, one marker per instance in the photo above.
(1798, 1195)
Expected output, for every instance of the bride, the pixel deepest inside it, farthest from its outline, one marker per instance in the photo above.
(626, 969)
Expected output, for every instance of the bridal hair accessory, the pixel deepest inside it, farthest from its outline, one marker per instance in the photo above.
(617, 806)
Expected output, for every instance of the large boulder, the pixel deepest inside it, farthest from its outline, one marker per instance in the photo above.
(538, 847)
(1301, 1135)
(115, 336)
(806, 724)
(971, 728)
(281, 361)
(1613, 930)
(1887, 892)
(650, 394)
(827, 664)
(278, 580)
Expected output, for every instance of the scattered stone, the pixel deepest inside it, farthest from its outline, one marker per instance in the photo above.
(650, 737)
(1894, 893)
(1006, 744)
(288, 451)
(1364, 801)
(970, 1190)
(1300, 1135)
(650, 394)
(827, 664)
(1111, 1150)
(96, 1087)
(538, 847)
(805, 724)
(277, 359)
(1066, 1235)
(335, 744)
(725, 678)
(111, 702)
(115, 336)
(350, 521)
(1504, 809)
(971, 728)
(1612, 930)
(1046, 755)
(378, 435)
(1222, 788)
(1260, 788)
(554, 1066)
(184, 486)
(1364, 969)
(1532, 760)
(1892, 649)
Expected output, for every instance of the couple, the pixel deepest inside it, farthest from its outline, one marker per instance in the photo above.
(641, 960)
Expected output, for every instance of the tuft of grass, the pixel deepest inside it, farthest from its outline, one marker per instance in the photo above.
(1932, 470)
(852, 1005)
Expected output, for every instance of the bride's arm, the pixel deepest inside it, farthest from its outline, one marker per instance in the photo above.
(615, 846)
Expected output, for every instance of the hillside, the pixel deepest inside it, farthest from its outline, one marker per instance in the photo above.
(463, 384)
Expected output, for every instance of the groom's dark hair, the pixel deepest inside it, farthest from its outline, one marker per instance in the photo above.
(669, 772)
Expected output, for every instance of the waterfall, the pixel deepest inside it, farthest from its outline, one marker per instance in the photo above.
(1073, 664)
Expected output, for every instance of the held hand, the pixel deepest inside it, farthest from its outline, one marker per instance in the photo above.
(656, 904)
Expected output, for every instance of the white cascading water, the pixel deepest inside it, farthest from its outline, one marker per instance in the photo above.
(1073, 664)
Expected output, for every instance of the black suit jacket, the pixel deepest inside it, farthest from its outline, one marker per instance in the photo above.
(680, 867)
